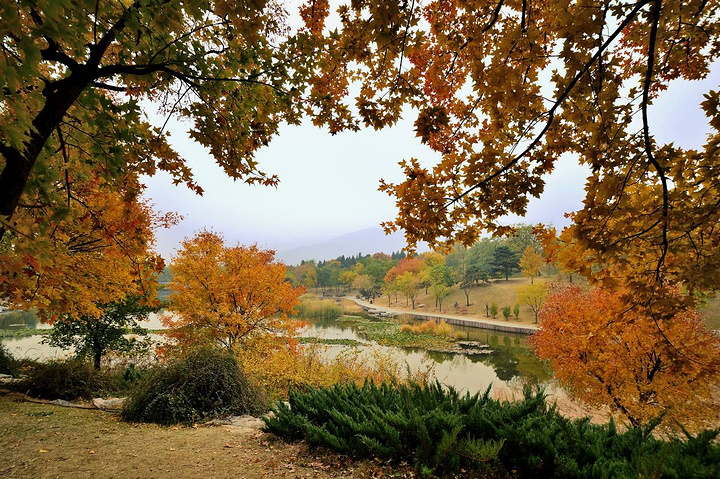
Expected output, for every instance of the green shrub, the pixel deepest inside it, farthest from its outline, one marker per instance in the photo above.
(442, 431)
(8, 364)
(205, 384)
(66, 379)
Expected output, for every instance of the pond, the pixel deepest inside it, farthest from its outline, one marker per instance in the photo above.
(509, 366)
(32, 347)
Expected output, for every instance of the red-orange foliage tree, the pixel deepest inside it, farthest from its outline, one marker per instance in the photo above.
(100, 249)
(611, 354)
(231, 295)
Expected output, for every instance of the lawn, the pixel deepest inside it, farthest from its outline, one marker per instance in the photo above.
(44, 441)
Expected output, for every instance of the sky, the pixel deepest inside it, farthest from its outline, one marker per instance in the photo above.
(329, 184)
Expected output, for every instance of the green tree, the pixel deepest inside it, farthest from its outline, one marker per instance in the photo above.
(409, 283)
(504, 261)
(506, 312)
(440, 291)
(480, 260)
(459, 263)
(493, 310)
(516, 311)
(94, 337)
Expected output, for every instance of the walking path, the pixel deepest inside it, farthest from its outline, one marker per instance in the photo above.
(505, 326)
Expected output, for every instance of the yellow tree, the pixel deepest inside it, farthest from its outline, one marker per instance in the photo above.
(533, 296)
(231, 295)
(530, 263)
(611, 353)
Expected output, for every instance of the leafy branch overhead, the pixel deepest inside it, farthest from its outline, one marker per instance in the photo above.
(501, 90)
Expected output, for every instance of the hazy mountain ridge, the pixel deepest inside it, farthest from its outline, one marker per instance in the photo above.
(366, 241)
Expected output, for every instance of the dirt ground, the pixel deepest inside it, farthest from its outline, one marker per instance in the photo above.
(46, 441)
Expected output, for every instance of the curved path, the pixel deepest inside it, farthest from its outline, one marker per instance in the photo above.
(472, 322)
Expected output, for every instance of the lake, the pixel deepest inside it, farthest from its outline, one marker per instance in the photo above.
(510, 365)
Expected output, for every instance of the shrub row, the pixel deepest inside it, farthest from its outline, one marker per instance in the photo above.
(442, 431)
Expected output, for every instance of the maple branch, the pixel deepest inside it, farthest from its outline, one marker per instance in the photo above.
(646, 133)
(494, 19)
(404, 40)
(560, 100)
(105, 86)
(184, 36)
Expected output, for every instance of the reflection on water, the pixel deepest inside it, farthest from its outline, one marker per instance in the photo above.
(511, 365)
(21, 320)
(32, 347)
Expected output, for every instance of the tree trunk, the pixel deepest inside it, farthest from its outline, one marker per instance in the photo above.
(97, 358)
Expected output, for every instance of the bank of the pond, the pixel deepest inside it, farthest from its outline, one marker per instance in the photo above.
(481, 323)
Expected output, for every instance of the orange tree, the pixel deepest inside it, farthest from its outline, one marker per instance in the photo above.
(609, 352)
(98, 250)
(231, 295)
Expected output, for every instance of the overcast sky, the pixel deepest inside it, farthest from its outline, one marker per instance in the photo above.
(329, 184)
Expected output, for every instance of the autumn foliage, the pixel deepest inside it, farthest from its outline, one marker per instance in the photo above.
(612, 353)
(231, 295)
(98, 249)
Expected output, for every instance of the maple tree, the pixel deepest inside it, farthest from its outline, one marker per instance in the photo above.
(99, 250)
(232, 295)
(530, 263)
(610, 352)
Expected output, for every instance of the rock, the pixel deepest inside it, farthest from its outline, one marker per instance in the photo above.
(5, 376)
(109, 403)
(472, 345)
(64, 403)
(246, 421)
(219, 422)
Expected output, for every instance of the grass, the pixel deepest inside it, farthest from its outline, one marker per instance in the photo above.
(503, 294)
(387, 333)
(499, 291)
(21, 333)
(312, 307)
(40, 440)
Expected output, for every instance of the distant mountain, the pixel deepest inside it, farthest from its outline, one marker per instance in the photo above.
(367, 241)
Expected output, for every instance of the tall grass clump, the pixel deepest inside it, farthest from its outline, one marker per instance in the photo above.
(313, 308)
(444, 432)
(207, 383)
(438, 328)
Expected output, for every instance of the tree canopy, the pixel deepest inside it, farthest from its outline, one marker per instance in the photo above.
(231, 295)
(501, 89)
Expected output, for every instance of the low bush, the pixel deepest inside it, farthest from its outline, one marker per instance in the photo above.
(442, 431)
(206, 383)
(66, 379)
(8, 364)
